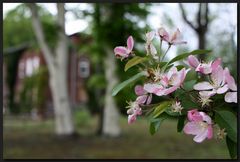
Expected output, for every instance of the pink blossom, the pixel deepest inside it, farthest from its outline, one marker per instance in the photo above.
(174, 39)
(134, 107)
(216, 85)
(143, 96)
(194, 115)
(200, 125)
(149, 46)
(204, 68)
(132, 118)
(230, 96)
(124, 52)
(133, 113)
(169, 82)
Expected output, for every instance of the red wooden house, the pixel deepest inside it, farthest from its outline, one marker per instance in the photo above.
(78, 72)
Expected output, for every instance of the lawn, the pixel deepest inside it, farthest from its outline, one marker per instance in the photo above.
(31, 139)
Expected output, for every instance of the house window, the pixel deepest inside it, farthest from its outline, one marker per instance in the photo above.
(32, 65)
(83, 68)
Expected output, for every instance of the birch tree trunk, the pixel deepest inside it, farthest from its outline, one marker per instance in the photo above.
(111, 113)
(57, 60)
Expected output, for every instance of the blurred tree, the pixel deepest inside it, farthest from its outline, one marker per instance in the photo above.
(16, 37)
(106, 34)
(57, 60)
(202, 22)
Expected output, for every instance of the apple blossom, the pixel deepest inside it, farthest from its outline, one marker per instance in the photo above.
(168, 83)
(143, 96)
(133, 111)
(232, 95)
(149, 46)
(124, 52)
(200, 125)
(204, 68)
(216, 84)
(174, 39)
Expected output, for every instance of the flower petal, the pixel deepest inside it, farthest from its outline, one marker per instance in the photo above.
(205, 117)
(201, 136)
(231, 97)
(204, 68)
(172, 70)
(141, 99)
(163, 34)
(152, 88)
(153, 50)
(150, 36)
(168, 91)
(193, 128)
(131, 118)
(217, 76)
(130, 43)
(120, 51)
(175, 35)
(203, 86)
(207, 93)
(194, 115)
(149, 99)
(193, 61)
(210, 132)
(138, 111)
(230, 80)
(216, 63)
(222, 89)
(139, 90)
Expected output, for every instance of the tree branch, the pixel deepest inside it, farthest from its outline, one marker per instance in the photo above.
(37, 27)
(199, 15)
(206, 15)
(185, 17)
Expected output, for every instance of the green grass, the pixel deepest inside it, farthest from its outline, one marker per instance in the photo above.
(31, 139)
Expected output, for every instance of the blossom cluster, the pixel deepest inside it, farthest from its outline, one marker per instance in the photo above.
(165, 79)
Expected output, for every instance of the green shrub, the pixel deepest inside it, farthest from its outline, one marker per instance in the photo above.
(82, 117)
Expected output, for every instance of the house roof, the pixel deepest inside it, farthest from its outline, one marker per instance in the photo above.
(15, 49)
(25, 45)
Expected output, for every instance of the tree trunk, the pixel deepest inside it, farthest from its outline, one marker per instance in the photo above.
(111, 113)
(202, 24)
(201, 42)
(62, 111)
(57, 65)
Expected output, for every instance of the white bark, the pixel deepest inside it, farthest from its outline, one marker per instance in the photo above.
(111, 114)
(57, 66)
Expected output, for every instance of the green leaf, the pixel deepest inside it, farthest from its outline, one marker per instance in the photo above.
(126, 82)
(134, 61)
(180, 123)
(161, 64)
(185, 100)
(179, 67)
(232, 147)
(155, 124)
(188, 85)
(161, 108)
(227, 120)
